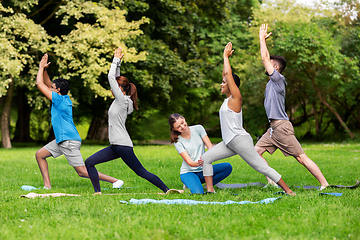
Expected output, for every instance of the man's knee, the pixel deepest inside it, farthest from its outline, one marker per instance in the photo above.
(81, 171)
(302, 158)
(37, 155)
(260, 150)
(82, 174)
(42, 153)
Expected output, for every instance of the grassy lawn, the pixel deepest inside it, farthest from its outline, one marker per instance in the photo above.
(306, 216)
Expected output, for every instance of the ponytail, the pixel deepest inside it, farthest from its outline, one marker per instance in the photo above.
(129, 88)
(133, 94)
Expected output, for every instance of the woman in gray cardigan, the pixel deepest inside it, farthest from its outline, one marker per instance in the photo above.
(121, 145)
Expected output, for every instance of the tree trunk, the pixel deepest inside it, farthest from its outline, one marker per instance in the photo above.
(22, 130)
(5, 118)
(343, 124)
(98, 129)
(357, 116)
(317, 125)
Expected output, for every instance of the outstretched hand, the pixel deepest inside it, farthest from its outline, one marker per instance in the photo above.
(118, 53)
(263, 32)
(44, 61)
(228, 50)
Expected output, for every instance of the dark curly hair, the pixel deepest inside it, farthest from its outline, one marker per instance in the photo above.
(63, 85)
(281, 61)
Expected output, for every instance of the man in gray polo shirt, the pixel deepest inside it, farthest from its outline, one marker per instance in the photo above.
(280, 135)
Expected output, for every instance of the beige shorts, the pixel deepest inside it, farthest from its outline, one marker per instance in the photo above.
(70, 149)
(281, 136)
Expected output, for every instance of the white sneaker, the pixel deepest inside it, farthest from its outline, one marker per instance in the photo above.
(118, 184)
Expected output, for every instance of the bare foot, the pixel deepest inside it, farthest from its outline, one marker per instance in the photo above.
(291, 193)
(97, 193)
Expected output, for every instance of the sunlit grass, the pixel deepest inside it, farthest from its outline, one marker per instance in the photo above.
(306, 216)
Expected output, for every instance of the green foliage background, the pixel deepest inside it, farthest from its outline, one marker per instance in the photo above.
(173, 54)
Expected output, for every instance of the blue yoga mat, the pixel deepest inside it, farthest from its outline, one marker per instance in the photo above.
(28, 188)
(193, 202)
(332, 194)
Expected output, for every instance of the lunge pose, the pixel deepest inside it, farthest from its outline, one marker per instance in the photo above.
(121, 145)
(190, 142)
(281, 132)
(235, 139)
(67, 139)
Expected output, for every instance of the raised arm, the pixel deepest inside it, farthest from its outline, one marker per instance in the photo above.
(228, 51)
(265, 55)
(47, 80)
(115, 88)
(235, 100)
(43, 87)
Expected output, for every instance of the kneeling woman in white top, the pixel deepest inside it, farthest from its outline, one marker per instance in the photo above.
(190, 143)
(235, 139)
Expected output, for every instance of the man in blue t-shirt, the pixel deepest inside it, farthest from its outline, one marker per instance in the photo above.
(67, 139)
(281, 132)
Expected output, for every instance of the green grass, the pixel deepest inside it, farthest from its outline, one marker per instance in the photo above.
(306, 216)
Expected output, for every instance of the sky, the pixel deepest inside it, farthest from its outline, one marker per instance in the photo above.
(310, 2)
(307, 2)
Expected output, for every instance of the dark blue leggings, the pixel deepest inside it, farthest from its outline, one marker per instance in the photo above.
(127, 155)
(194, 180)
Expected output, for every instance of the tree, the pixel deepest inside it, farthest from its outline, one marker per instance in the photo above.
(20, 39)
(80, 49)
(86, 51)
(318, 69)
(185, 40)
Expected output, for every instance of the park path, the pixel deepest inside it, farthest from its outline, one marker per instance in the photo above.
(158, 142)
(164, 142)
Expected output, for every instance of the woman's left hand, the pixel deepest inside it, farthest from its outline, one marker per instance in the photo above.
(118, 53)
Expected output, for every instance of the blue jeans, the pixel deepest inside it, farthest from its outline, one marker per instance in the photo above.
(194, 180)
